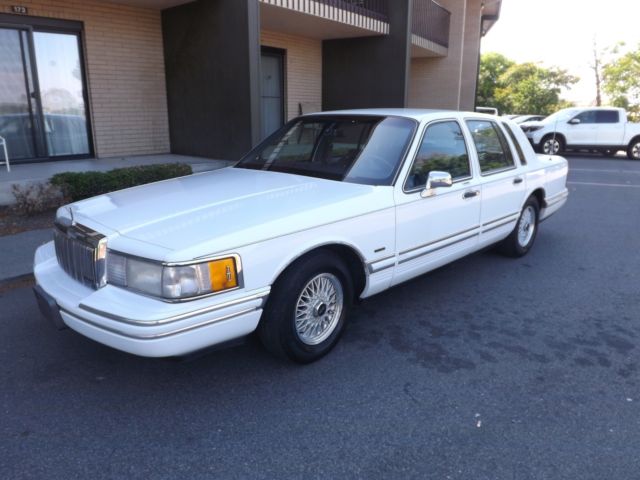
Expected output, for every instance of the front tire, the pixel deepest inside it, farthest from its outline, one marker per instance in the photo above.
(633, 151)
(551, 145)
(521, 239)
(307, 309)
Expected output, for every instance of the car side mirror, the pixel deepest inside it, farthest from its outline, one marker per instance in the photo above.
(436, 180)
(574, 121)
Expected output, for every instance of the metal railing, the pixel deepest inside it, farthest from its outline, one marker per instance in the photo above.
(431, 21)
(338, 10)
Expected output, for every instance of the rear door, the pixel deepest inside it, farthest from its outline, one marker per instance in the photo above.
(610, 128)
(502, 180)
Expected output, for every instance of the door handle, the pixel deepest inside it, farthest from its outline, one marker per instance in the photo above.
(470, 194)
(517, 180)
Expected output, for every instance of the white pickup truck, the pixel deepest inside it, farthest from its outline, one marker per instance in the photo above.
(605, 129)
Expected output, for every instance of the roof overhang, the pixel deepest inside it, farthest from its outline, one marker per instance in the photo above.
(490, 14)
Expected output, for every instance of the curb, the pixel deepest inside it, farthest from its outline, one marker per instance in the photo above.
(17, 281)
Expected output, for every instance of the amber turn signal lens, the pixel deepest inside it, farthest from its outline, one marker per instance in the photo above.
(222, 274)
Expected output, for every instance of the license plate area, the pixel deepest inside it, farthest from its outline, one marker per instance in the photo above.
(49, 308)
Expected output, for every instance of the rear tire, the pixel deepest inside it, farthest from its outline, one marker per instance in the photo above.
(307, 309)
(633, 151)
(521, 239)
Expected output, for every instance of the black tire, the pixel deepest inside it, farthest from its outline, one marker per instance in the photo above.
(633, 150)
(548, 138)
(277, 329)
(512, 246)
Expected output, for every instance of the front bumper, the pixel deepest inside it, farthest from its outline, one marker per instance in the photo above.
(145, 326)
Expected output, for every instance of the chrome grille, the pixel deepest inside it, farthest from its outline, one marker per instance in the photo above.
(81, 253)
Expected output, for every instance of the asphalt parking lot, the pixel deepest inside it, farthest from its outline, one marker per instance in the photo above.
(489, 368)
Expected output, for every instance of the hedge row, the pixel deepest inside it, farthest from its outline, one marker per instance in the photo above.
(80, 185)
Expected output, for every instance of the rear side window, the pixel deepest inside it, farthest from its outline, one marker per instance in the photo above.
(514, 140)
(442, 149)
(607, 116)
(494, 154)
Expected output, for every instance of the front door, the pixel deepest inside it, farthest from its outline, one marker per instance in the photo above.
(435, 230)
(585, 132)
(272, 90)
(43, 112)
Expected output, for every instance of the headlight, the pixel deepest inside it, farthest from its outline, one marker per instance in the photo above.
(172, 282)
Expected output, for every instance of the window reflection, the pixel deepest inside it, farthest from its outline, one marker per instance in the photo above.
(443, 149)
(62, 93)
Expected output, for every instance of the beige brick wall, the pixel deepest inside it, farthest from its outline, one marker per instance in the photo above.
(125, 72)
(450, 82)
(304, 68)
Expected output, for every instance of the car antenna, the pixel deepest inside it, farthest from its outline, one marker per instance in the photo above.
(553, 143)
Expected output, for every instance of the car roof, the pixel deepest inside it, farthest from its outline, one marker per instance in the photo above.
(414, 113)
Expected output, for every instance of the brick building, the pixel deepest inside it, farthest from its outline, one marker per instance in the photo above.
(98, 78)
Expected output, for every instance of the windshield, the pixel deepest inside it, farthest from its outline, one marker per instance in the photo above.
(357, 149)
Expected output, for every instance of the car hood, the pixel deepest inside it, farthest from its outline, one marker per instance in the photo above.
(216, 211)
(535, 123)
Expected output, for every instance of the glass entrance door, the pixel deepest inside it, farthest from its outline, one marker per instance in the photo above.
(17, 96)
(272, 90)
(62, 93)
(43, 111)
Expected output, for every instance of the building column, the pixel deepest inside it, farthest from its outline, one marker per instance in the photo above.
(369, 71)
(212, 61)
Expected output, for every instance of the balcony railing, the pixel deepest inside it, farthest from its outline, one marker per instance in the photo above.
(431, 21)
(338, 10)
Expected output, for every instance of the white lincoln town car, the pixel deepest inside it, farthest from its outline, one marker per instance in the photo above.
(332, 208)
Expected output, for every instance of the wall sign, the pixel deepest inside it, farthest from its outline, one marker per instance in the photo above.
(19, 9)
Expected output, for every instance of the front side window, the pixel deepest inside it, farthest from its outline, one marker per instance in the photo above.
(357, 149)
(607, 116)
(587, 117)
(493, 151)
(442, 149)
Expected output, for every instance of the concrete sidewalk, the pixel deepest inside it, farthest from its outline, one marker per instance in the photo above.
(16, 252)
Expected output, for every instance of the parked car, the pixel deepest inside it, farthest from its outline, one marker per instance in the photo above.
(528, 118)
(65, 134)
(332, 208)
(488, 110)
(604, 129)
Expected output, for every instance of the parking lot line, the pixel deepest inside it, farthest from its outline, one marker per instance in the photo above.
(604, 184)
(637, 172)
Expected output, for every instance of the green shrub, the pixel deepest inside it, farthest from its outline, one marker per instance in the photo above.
(80, 185)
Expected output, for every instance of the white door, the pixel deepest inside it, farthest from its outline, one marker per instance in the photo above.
(503, 182)
(435, 230)
(585, 131)
(610, 128)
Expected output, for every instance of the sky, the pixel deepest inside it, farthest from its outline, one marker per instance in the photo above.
(561, 33)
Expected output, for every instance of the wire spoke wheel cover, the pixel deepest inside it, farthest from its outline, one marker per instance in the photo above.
(526, 226)
(319, 308)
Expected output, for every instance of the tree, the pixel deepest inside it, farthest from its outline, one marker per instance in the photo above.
(492, 67)
(622, 82)
(597, 69)
(530, 88)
